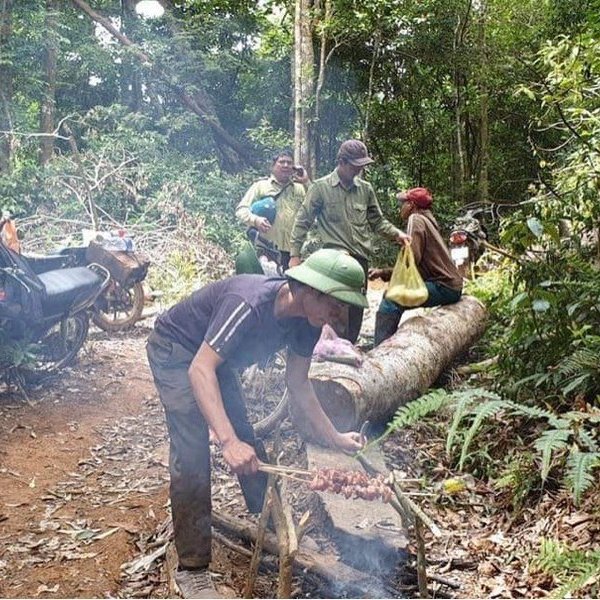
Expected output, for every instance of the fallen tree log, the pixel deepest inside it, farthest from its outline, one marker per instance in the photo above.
(397, 371)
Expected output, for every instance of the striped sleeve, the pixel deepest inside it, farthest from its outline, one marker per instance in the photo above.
(228, 325)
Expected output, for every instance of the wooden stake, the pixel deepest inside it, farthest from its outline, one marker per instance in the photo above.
(260, 536)
(421, 560)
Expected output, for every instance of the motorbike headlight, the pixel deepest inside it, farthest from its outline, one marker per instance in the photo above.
(458, 237)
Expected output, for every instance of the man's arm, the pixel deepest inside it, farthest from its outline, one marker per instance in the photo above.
(385, 273)
(379, 224)
(303, 395)
(244, 214)
(417, 227)
(305, 217)
(240, 456)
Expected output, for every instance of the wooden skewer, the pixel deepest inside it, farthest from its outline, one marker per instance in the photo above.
(286, 475)
(278, 469)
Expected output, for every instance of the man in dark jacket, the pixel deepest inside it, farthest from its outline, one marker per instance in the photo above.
(194, 353)
(436, 267)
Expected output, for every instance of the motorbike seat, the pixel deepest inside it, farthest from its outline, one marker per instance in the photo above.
(68, 287)
(48, 262)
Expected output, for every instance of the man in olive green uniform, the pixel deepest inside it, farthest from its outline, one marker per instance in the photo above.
(287, 187)
(347, 214)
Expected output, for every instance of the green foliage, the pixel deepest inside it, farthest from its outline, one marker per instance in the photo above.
(580, 471)
(518, 476)
(270, 139)
(549, 442)
(581, 370)
(14, 353)
(559, 436)
(179, 280)
(565, 442)
(575, 571)
(493, 288)
(415, 411)
(549, 346)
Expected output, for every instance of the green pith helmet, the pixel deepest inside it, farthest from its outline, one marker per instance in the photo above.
(334, 273)
(246, 261)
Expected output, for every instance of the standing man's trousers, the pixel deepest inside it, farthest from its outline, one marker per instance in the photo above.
(355, 313)
(189, 457)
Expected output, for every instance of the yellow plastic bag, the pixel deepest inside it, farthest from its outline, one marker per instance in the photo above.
(407, 287)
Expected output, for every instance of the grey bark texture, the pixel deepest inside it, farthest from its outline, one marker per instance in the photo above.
(6, 86)
(48, 105)
(397, 371)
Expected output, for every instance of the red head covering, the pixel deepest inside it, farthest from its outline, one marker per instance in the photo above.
(419, 196)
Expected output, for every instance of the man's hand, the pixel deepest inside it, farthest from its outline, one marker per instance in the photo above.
(402, 238)
(295, 261)
(349, 442)
(240, 457)
(263, 224)
(300, 175)
(384, 274)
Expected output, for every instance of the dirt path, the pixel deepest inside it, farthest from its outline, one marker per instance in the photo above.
(83, 492)
(82, 474)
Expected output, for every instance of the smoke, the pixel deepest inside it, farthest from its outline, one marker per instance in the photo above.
(373, 558)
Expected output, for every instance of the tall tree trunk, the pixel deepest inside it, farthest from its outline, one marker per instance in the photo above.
(48, 106)
(6, 84)
(460, 175)
(304, 83)
(325, 16)
(131, 87)
(484, 143)
(370, 89)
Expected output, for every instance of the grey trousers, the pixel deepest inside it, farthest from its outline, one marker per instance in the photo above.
(355, 313)
(189, 456)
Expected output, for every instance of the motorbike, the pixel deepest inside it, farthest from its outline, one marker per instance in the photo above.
(120, 305)
(44, 313)
(467, 242)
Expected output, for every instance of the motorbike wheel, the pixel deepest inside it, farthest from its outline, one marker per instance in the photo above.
(58, 348)
(119, 308)
(268, 423)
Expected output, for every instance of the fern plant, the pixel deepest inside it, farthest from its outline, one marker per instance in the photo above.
(575, 571)
(581, 370)
(415, 411)
(573, 434)
(568, 441)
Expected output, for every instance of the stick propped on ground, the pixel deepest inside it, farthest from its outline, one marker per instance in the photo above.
(399, 370)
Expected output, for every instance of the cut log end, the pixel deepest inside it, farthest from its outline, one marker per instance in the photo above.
(340, 406)
(397, 371)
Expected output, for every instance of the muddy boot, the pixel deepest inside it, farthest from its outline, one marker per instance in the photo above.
(386, 325)
(195, 583)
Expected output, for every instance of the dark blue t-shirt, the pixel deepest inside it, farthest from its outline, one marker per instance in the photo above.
(236, 318)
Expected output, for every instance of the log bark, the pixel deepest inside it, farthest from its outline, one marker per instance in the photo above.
(397, 371)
